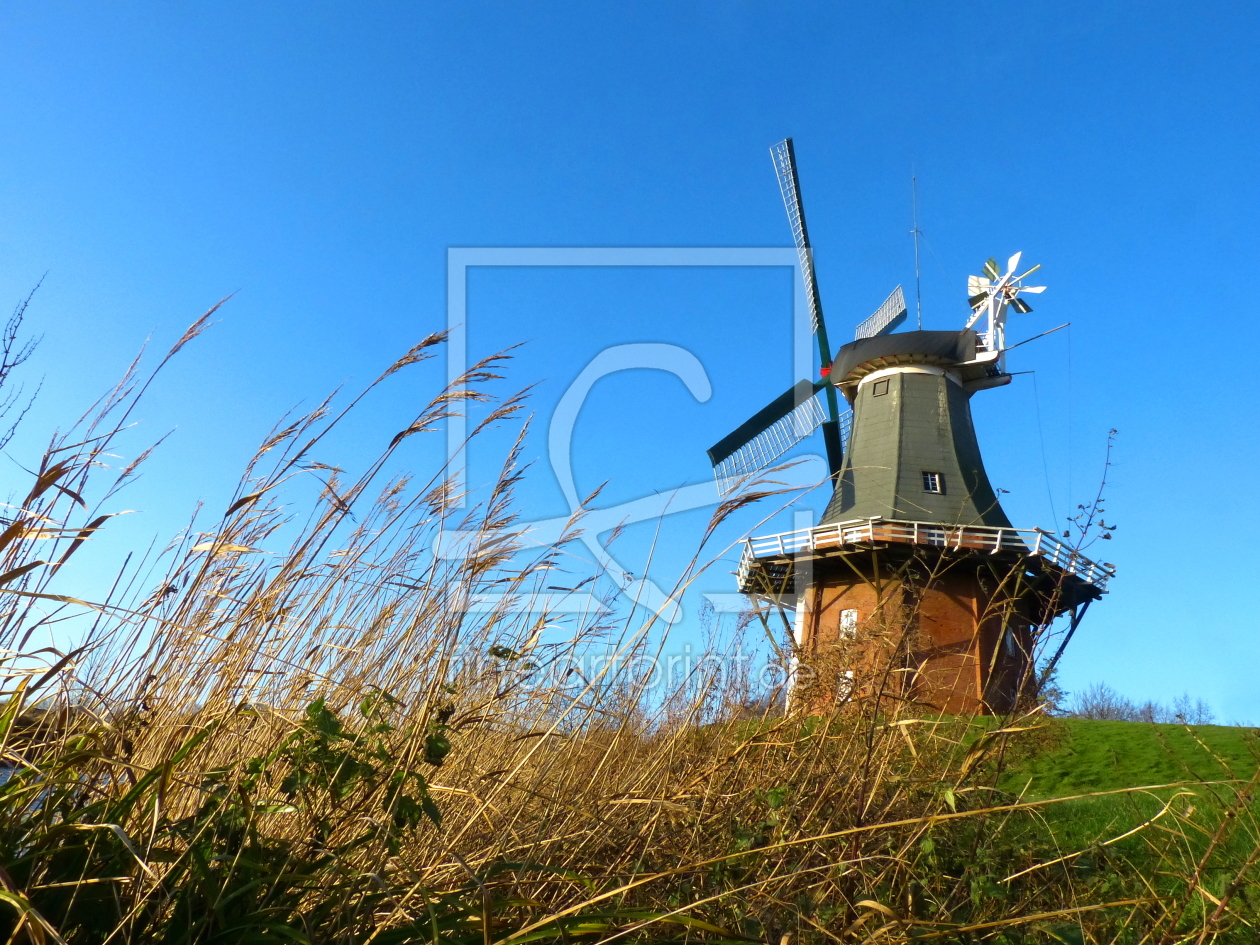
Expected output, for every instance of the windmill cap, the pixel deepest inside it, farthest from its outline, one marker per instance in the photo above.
(942, 348)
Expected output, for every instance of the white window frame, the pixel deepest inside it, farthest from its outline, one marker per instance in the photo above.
(848, 623)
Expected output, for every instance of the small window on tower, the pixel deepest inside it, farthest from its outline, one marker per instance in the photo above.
(848, 623)
(879, 388)
(934, 482)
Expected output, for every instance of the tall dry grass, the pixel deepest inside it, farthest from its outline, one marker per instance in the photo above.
(292, 726)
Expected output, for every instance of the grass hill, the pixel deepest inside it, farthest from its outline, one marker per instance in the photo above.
(1081, 755)
(1130, 833)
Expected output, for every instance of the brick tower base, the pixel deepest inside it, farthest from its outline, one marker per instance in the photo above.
(952, 634)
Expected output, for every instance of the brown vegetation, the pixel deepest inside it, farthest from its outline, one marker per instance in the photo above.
(324, 743)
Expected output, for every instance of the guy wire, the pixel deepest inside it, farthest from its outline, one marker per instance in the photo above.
(1045, 466)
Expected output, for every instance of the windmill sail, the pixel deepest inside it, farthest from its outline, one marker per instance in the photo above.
(784, 157)
(796, 414)
(767, 435)
(887, 318)
(785, 167)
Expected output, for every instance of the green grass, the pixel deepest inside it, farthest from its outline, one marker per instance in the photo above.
(1079, 756)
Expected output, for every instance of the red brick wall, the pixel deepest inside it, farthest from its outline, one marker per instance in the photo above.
(933, 643)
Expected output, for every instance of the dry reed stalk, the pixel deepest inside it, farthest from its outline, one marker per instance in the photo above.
(299, 730)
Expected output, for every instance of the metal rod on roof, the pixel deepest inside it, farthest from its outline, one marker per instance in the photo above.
(1033, 338)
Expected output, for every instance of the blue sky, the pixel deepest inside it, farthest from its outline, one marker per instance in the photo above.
(318, 159)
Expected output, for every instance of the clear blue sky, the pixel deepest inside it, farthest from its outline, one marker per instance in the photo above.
(319, 158)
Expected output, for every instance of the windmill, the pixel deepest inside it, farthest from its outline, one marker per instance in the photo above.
(797, 413)
(914, 586)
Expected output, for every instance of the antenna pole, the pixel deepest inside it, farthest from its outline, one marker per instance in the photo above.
(918, 295)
